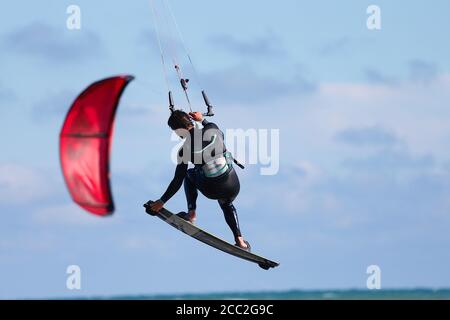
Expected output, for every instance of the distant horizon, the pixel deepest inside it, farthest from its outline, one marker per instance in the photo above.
(310, 293)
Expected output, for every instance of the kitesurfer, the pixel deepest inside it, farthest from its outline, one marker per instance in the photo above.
(213, 173)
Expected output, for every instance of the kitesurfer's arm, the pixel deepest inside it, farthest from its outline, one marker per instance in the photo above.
(177, 181)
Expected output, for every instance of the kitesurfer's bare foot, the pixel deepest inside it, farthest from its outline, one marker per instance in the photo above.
(188, 216)
(240, 242)
(192, 216)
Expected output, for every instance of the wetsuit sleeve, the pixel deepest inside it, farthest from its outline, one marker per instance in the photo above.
(177, 181)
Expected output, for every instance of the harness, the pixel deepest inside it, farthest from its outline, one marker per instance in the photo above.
(218, 166)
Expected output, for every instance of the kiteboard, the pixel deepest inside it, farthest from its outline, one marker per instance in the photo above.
(209, 239)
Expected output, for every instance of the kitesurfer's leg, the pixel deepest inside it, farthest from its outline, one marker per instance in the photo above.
(191, 194)
(230, 213)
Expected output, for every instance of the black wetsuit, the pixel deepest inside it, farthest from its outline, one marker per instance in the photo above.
(223, 188)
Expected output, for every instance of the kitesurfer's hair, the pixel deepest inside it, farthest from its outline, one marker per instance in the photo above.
(179, 120)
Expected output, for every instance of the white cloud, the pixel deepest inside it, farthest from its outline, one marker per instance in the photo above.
(310, 171)
(52, 44)
(412, 111)
(25, 242)
(146, 243)
(67, 214)
(20, 184)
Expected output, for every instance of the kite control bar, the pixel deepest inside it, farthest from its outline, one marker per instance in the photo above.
(210, 111)
(171, 103)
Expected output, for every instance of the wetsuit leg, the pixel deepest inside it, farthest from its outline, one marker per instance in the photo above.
(229, 211)
(190, 189)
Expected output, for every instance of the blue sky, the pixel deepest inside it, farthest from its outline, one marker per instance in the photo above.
(365, 163)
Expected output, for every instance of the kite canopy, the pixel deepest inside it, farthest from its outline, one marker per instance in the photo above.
(85, 143)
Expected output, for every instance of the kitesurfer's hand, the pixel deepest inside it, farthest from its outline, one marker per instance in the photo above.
(196, 116)
(157, 205)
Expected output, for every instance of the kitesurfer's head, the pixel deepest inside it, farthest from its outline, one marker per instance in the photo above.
(180, 120)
